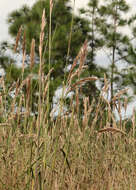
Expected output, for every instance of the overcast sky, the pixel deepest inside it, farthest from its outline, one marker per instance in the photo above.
(6, 6)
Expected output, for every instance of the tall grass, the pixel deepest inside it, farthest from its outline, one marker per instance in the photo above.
(67, 152)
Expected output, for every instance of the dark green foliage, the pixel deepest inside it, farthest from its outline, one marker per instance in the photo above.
(60, 24)
(61, 21)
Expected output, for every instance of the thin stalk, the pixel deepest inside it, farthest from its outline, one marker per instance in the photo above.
(113, 62)
(49, 67)
(112, 76)
(70, 36)
(68, 53)
(92, 56)
(39, 122)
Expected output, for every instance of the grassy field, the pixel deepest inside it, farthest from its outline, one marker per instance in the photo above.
(38, 152)
(68, 153)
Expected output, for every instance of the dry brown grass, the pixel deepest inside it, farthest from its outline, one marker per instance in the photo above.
(66, 152)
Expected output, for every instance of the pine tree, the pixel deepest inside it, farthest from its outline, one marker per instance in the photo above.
(68, 34)
(111, 23)
(107, 22)
(95, 43)
(129, 56)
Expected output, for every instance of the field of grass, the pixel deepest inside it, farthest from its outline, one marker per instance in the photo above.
(38, 152)
(67, 153)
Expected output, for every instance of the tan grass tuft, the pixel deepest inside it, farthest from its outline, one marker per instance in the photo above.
(77, 100)
(86, 111)
(32, 54)
(18, 38)
(42, 33)
(125, 104)
(111, 129)
(28, 87)
(24, 43)
(51, 6)
(81, 56)
(73, 66)
(24, 53)
(45, 90)
(80, 82)
(133, 122)
(121, 92)
(106, 84)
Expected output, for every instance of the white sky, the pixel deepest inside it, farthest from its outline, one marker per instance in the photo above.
(7, 6)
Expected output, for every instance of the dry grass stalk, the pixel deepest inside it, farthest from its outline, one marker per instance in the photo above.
(18, 114)
(45, 90)
(40, 119)
(111, 129)
(24, 43)
(81, 55)
(109, 112)
(72, 76)
(85, 117)
(4, 124)
(19, 110)
(98, 110)
(121, 92)
(73, 66)
(1, 101)
(119, 106)
(133, 122)
(114, 121)
(32, 54)
(42, 33)
(77, 100)
(51, 6)
(87, 114)
(3, 85)
(24, 53)
(18, 38)
(17, 88)
(91, 106)
(125, 104)
(106, 84)
(28, 87)
(12, 87)
(23, 63)
(80, 82)
(76, 73)
(48, 75)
